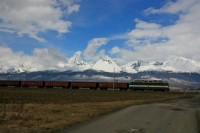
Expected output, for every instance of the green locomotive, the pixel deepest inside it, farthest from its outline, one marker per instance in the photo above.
(155, 85)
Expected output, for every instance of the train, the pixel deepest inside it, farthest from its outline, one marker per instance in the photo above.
(154, 85)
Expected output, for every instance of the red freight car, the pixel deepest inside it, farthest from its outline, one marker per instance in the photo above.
(77, 85)
(116, 85)
(9, 83)
(52, 84)
(122, 86)
(32, 83)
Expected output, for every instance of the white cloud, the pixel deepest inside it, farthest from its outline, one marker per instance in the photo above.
(32, 17)
(115, 50)
(180, 6)
(77, 55)
(145, 33)
(8, 57)
(91, 52)
(70, 6)
(144, 25)
(46, 59)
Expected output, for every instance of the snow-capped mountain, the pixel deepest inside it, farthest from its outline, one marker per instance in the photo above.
(107, 64)
(15, 68)
(76, 64)
(177, 64)
(180, 64)
(140, 66)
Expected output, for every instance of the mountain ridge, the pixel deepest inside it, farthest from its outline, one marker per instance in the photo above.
(107, 64)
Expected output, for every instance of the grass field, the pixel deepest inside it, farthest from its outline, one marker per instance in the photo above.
(49, 110)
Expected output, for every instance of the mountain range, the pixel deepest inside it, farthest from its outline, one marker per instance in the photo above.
(107, 64)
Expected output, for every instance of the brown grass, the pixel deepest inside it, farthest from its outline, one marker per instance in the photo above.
(44, 110)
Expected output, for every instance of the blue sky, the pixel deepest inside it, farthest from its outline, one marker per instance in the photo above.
(126, 30)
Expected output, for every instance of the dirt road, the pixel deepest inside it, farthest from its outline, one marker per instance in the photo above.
(178, 116)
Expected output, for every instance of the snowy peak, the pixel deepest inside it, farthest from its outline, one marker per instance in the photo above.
(15, 69)
(76, 61)
(20, 68)
(140, 65)
(180, 64)
(107, 65)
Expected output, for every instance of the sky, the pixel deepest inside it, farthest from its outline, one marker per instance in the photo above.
(45, 33)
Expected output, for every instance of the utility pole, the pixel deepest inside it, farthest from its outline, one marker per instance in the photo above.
(114, 80)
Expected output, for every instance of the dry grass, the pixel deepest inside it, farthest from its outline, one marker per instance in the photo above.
(34, 110)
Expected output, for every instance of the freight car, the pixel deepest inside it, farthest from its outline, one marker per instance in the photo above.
(8, 83)
(115, 85)
(51, 84)
(155, 85)
(77, 85)
(38, 84)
